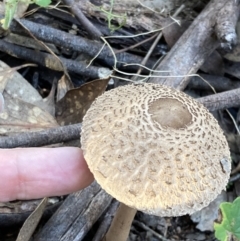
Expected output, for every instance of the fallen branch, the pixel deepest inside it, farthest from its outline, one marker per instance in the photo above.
(195, 45)
(222, 100)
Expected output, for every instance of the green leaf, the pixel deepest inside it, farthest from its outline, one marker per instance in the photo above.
(42, 3)
(230, 225)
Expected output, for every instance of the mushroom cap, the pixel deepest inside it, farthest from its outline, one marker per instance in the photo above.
(155, 149)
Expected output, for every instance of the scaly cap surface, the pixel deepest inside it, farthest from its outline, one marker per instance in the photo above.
(155, 149)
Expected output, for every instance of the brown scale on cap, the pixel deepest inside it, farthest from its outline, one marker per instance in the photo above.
(155, 149)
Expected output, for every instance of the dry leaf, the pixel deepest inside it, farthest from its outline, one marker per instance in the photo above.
(22, 112)
(64, 85)
(16, 86)
(71, 108)
(32, 221)
(20, 116)
(49, 101)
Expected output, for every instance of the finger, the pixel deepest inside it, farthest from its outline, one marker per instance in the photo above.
(30, 173)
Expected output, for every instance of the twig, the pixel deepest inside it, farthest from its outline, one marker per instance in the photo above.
(136, 45)
(42, 138)
(144, 61)
(47, 49)
(220, 83)
(89, 27)
(147, 56)
(222, 100)
(76, 43)
(49, 60)
(142, 225)
(138, 34)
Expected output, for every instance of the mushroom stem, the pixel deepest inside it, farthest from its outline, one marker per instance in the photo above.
(121, 224)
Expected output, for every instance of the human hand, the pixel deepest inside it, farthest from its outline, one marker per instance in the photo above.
(30, 173)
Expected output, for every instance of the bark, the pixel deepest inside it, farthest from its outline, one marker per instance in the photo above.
(222, 100)
(193, 48)
(42, 138)
(75, 217)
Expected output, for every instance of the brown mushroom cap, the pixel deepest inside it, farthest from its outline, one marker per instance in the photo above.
(155, 149)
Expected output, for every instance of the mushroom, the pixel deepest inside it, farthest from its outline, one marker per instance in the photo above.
(156, 150)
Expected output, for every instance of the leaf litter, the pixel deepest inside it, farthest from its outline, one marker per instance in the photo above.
(24, 107)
